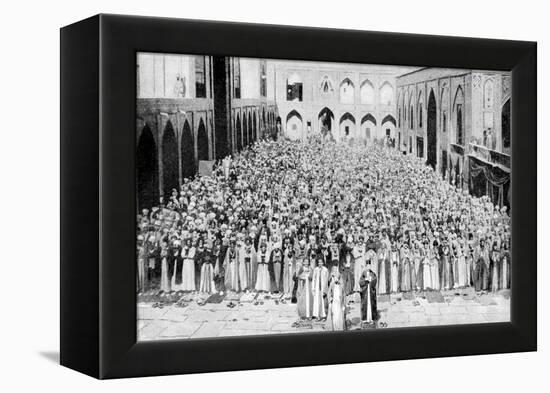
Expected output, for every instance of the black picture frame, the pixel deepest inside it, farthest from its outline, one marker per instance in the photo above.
(98, 196)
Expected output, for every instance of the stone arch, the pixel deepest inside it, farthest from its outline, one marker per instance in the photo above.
(367, 93)
(294, 125)
(202, 143)
(419, 110)
(347, 126)
(458, 116)
(147, 170)
(326, 120)
(444, 108)
(170, 159)
(389, 118)
(368, 127)
(388, 125)
(187, 152)
(368, 117)
(432, 131)
(347, 91)
(386, 93)
(410, 108)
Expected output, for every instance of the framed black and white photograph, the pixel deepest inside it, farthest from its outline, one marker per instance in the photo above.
(267, 190)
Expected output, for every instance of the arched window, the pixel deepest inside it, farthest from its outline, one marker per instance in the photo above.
(347, 91)
(294, 88)
(347, 126)
(236, 77)
(386, 94)
(294, 125)
(202, 142)
(367, 93)
(488, 94)
(444, 108)
(263, 79)
(187, 152)
(170, 165)
(459, 116)
(326, 86)
(200, 76)
(411, 118)
(420, 107)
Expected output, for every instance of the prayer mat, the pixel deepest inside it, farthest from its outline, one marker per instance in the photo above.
(215, 298)
(408, 296)
(233, 296)
(303, 324)
(435, 297)
(248, 297)
(188, 297)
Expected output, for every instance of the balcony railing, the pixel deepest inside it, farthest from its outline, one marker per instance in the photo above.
(492, 156)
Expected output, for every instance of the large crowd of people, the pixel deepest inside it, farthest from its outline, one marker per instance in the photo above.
(319, 221)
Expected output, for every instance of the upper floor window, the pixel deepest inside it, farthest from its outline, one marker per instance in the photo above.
(367, 93)
(347, 91)
(386, 94)
(263, 79)
(200, 77)
(236, 77)
(459, 125)
(326, 85)
(294, 88)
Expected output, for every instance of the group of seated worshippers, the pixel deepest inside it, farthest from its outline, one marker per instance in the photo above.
(319, 221)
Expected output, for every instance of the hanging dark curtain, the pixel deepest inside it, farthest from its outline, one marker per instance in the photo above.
(496, 180)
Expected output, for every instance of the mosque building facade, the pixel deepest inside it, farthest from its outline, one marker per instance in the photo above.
(459, 122)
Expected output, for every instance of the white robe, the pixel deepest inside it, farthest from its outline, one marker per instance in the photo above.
(320, 288)
(188, 271)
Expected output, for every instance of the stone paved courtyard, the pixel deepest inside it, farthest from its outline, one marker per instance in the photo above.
(198, 320)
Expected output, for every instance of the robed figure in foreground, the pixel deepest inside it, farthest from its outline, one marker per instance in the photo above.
(367, 283)
(304, 293)
(336, 319)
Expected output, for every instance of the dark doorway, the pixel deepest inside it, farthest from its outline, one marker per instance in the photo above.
(202, 143)
(187, 152)
(245, 131)
(254, 129)
(147, 170)
(432, 132)
(505, 123)
(250, 130)
(419, 147)
(444, 164)
(277, 128)
(326, 117)
(221, 105)
(239, 135)
(170, 166)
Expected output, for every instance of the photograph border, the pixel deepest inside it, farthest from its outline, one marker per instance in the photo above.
(98, 196)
